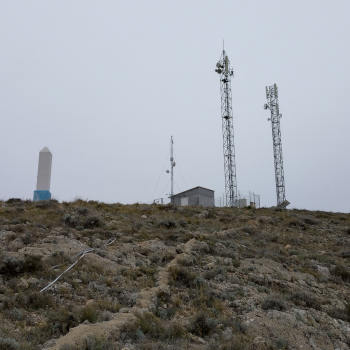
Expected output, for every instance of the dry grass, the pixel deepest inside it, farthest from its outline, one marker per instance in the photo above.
(246, 261)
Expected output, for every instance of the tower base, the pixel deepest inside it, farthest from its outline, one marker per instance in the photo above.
(41, 196)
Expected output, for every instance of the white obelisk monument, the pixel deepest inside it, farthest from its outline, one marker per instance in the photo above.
(42, 192)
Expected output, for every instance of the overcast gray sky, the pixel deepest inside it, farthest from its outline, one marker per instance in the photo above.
(105, 83)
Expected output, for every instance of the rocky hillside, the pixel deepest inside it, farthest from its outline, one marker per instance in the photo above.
(157, 277)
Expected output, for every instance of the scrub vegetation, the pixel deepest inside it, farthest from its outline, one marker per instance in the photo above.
(159, 277)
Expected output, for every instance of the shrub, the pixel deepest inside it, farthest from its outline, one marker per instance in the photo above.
(82, 221)
(14, 201)
(8, 344)
(342, 272)
(89, 313)
(36, 300)
(274, 302)
(68, 347)
(14, 265)
(161, 312)
(90, 343)
(237, 342)
(61, 320)
(167, 224)
(305, 299)
(202, 325)
(70, 220)
(310, 220)
(94, 343)
(32, 263)
(46, 204)
(251, 230)
(174, 331)
(280, 344)
(211, 274)
(15, 314)
(181, 275)
(82, 211)
(92, 222)
(150, 325)
(11, 265)
(342, 314)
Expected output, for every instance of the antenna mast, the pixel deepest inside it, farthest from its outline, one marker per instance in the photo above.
(273, 105)
(172, 165)
(225, 71)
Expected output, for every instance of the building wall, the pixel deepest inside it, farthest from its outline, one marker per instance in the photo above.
(196, 197)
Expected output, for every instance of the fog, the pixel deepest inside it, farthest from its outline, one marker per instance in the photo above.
(104, 84)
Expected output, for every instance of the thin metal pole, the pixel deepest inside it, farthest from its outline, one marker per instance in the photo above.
(172, 164)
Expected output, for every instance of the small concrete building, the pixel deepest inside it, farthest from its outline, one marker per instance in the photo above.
(197, 196)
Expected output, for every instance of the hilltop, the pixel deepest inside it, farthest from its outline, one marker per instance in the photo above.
(158, 277)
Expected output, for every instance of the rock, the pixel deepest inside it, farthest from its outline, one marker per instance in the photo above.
(323, 271)
(63, 287)
(33, 281)
(203, 214)
(23, 283)
(49, 344)
(200, 246)
(197, 340)
(227, 334)
(15, 245)
(144, 216)
(124, 310)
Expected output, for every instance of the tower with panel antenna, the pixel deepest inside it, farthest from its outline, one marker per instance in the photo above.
(273, 105)
(225, 71)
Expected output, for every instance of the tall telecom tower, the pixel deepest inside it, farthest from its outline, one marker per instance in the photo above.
(273, 105)
(225, 71)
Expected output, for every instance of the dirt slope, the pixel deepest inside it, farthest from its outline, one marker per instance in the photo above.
(155, 277)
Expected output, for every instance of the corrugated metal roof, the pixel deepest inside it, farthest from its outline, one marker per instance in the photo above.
(191, 189)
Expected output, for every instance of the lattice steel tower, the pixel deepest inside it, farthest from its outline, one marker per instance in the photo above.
(273, 105)
(225, 71)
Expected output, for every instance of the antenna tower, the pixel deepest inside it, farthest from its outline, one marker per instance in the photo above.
(273, 105)
(225, 71)
(172, 166)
